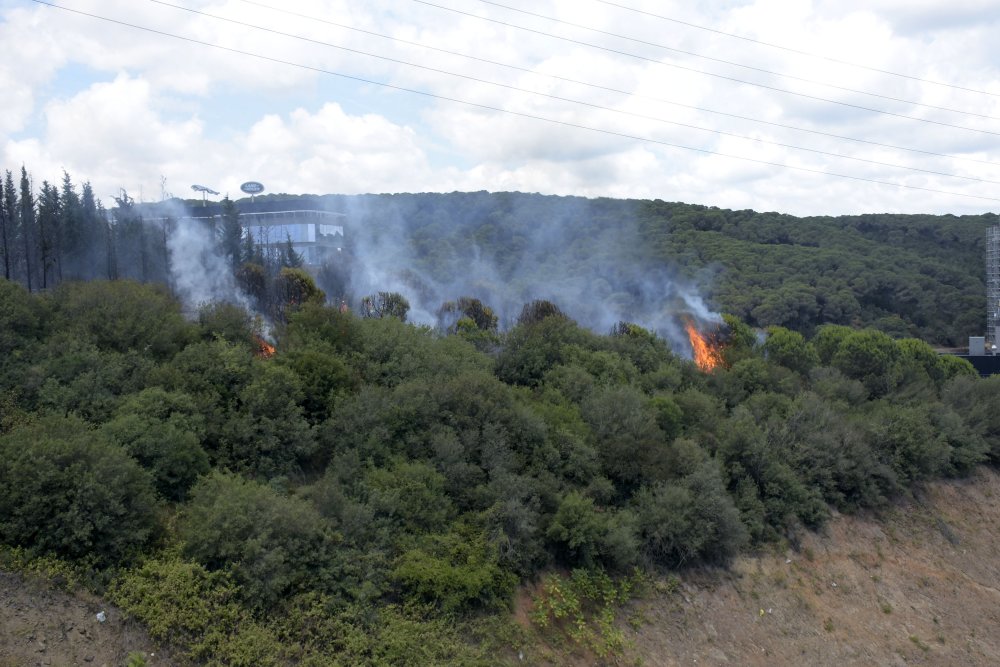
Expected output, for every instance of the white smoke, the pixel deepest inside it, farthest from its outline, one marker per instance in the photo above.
(199, 275)
(588, 278)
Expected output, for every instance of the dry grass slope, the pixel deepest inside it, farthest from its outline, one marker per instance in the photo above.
(919, 586)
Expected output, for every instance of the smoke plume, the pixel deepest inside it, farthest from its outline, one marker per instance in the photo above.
(586, 256)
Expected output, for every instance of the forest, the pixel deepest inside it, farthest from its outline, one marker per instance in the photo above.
(601, 260)
(285, 481)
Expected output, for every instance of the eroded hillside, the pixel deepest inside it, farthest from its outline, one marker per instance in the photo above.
(916, 586)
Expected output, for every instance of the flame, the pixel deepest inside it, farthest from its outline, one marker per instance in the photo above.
(707, 353)
(264, 349)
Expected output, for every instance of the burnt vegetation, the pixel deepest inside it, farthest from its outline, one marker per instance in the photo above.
(375, 491)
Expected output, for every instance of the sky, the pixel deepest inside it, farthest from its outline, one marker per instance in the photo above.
(566, 97)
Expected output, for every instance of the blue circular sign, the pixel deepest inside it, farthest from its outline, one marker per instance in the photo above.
(252, 188)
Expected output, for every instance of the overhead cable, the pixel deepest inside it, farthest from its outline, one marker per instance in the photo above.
(698, 71)
(736, 64)
(797, 51)
(519, 114)
(661, 100)
(567, 99)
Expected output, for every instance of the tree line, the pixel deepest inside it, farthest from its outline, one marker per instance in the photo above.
(61, 234)
(907, 275)
(917, 276)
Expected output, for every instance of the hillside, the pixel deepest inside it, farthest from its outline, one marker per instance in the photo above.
(377, 474)
(601, 260)
(907, 275)
(916, 586)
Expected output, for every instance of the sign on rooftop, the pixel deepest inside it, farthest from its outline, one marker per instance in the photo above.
(252, 188)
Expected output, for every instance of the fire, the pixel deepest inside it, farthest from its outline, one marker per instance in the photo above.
(264, 349)
(707, 353)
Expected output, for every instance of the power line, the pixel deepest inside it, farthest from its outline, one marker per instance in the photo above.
(520, 114)
(661, 100)
(698, 71)
(736, 64)
(567, 99)
(798, 51)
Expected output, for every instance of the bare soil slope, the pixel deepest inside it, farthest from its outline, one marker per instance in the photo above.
(920, 586)
(43, 626)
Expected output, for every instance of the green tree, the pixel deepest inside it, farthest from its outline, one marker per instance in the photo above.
(122, 316)
(295, 287)
(872, 358)
(790, 349)
(385, 304)
(231, 234)
(266, 434)
(690, 520)
(289, 257)
(587, 535)
(68, 492)
(231, 322)
(274, 546)
(26, 227)
(163, 432)
(974, 400)
(481, 315)
(457, 571)
(6, 236)
(49, 235)
(538, 310)
(827, 341)
(628, 438)
(906, 439)
(8, 218)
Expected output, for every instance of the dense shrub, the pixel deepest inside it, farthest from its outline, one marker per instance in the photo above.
(122, 316)
(65, 490)
(689, 520)
(375, 490)
(272, 545)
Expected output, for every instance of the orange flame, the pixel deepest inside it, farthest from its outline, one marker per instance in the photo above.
(707, 355)
(264, 349)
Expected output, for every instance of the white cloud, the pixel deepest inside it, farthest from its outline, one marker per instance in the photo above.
(140, 105)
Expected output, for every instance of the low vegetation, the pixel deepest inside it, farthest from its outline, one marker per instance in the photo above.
(255, 511)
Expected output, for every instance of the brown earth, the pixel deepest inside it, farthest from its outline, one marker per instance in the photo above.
(917, 586)
(40, 625)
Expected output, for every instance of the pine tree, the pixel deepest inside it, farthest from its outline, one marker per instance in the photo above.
(26, 225)
(9, 208)
(290, 258)
(73, 237)
(97, 232)
(4, 245)
(232, 234)
(49, 234)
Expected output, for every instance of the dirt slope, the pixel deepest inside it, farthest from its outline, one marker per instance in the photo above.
(917, 587)
(43, 626)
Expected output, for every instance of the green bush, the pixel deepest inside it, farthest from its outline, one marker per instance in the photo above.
(583, 607)
(457, 571)
(690, 520)
(588, 535)
(168, 448)
(122, 316)
(187, 606)
(66, 491)
(273, 545)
